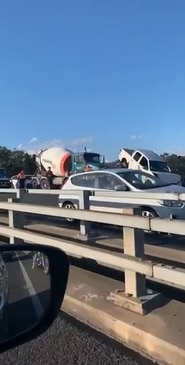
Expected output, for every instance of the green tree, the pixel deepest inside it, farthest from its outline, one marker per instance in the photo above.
(176, 163)
(14, 161)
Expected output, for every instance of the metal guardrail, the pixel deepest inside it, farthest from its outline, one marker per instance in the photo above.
(135, 296)
(98, 193)
(145, 223)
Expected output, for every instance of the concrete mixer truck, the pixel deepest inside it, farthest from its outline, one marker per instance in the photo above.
(63, 163)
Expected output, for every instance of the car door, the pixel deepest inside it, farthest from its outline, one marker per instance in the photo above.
(144, 163)
(135, 160)
(108, 181)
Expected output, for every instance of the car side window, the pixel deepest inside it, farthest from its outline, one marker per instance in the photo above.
(87, 180)
(137, 156)
(108, 181)
(144, 163)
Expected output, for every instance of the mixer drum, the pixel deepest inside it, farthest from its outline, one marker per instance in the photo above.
(59, 159)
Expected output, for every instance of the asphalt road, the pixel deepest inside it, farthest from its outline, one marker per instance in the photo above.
(68, 342)
(29, 293)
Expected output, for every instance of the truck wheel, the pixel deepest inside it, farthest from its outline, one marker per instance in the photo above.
(150, 213)
(69, 205)
(34, 183)
(44, 184)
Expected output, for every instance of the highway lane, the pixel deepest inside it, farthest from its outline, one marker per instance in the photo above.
(69, 342)
(29, 293)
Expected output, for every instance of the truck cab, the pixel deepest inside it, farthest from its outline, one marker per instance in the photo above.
(80, 160)
(149, 161)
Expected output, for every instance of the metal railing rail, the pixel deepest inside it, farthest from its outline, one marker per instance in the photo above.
(176, 226)
(104, 194)
(168, 274)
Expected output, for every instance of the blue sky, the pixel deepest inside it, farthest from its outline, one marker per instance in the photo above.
(100, 73)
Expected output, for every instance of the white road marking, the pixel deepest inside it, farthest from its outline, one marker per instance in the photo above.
(38, 307)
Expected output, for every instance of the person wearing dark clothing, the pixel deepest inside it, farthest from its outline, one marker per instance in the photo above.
(50, 176)
(22, 178)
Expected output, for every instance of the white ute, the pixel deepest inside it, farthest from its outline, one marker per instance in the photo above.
(147, 160)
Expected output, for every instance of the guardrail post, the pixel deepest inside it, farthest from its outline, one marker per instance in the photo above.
(85, 227)
(20, 193)
(16, 220)
(135, 296)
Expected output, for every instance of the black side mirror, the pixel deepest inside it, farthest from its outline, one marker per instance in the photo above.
(33, 280)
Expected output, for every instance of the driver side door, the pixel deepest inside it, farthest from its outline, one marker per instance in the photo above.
(108, 181)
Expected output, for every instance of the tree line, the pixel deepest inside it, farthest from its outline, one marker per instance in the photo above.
(14, 160)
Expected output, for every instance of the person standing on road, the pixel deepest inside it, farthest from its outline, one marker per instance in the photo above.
(22, 178)
(88, 168)
(50, 176)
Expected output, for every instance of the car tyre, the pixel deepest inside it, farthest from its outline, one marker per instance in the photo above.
(69, 205)
(150, 213)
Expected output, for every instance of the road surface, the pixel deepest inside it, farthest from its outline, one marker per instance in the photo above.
(68, 342)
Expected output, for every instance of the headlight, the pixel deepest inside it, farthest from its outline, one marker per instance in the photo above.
(171, 203)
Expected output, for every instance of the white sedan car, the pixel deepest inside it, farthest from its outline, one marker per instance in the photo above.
(126, 180)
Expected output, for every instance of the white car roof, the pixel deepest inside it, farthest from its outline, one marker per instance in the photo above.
(106, 171)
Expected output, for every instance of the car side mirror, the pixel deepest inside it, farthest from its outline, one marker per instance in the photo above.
(121, 187)
(33, 280)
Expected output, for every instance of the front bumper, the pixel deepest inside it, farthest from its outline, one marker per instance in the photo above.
(170, 213)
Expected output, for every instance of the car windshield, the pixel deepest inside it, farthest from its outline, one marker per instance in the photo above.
(141, 180)
(91, 157)
(159, 166)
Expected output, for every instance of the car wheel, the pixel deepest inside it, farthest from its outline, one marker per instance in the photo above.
(69, 205)
(150, 213)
